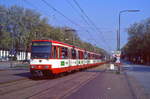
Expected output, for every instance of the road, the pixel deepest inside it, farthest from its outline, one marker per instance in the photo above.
(10, 65)
(45, 88)
(4, 65)
(94, 83)
(140, 74)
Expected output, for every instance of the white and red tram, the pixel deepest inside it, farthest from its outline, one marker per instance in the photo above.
(50, 57)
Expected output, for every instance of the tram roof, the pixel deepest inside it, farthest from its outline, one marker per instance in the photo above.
(58, 42)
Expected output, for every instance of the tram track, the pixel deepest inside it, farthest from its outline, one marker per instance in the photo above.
(75, 89)
(17, 86)
(75, 85)
(68, 83)
(27, 88)
(12, 81)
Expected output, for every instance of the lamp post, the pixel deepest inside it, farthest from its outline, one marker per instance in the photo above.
(118, 53)
(118, 32)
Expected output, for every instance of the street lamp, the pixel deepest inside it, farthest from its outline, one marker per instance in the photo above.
(118, 39)
(118, 33)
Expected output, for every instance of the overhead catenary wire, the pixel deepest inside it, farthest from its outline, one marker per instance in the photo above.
(33, 6)
(82, 16)
(27, 2)
(59, 12)
(85, 21)
(93, 24)
(89, 20)
(47, 14)
(78, 12)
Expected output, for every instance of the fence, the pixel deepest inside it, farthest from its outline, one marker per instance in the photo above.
(21, 55)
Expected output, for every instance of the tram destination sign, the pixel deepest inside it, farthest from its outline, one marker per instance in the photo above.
(41, 43)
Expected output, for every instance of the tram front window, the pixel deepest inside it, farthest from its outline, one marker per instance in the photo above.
(41, 50)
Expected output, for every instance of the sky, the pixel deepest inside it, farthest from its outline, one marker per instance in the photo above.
(103, 13)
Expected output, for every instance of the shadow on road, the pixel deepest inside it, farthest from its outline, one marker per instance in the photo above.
(25, 75)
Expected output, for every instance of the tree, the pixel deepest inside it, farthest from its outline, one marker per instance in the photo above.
(138, 42)
(19, 26)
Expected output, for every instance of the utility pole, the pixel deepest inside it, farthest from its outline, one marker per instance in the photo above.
(119, 23)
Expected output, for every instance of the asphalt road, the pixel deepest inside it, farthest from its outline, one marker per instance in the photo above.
(43, 88)
(4, 65)
(142, 75)
(12, 65)
(105, 86)
(133, 83)
(93, 83)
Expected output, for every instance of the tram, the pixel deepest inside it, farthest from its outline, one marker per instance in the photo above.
(49, 57)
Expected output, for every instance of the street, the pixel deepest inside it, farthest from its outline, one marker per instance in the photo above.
(19, 88)
(140, 74)
(94, 83)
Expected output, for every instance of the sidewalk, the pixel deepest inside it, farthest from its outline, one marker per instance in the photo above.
(8, 74)
(15, 65)
(107, 85)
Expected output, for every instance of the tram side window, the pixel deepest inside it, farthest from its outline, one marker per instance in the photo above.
(99, 57)
(81, 55)
(64, 53)
(94, 56)
(69, 53)
(54, 55)
(77, 55)
(89, 56)
(85, 55)
(73, 54)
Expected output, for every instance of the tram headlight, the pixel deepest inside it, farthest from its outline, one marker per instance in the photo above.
(39, 66)
(32, 67)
